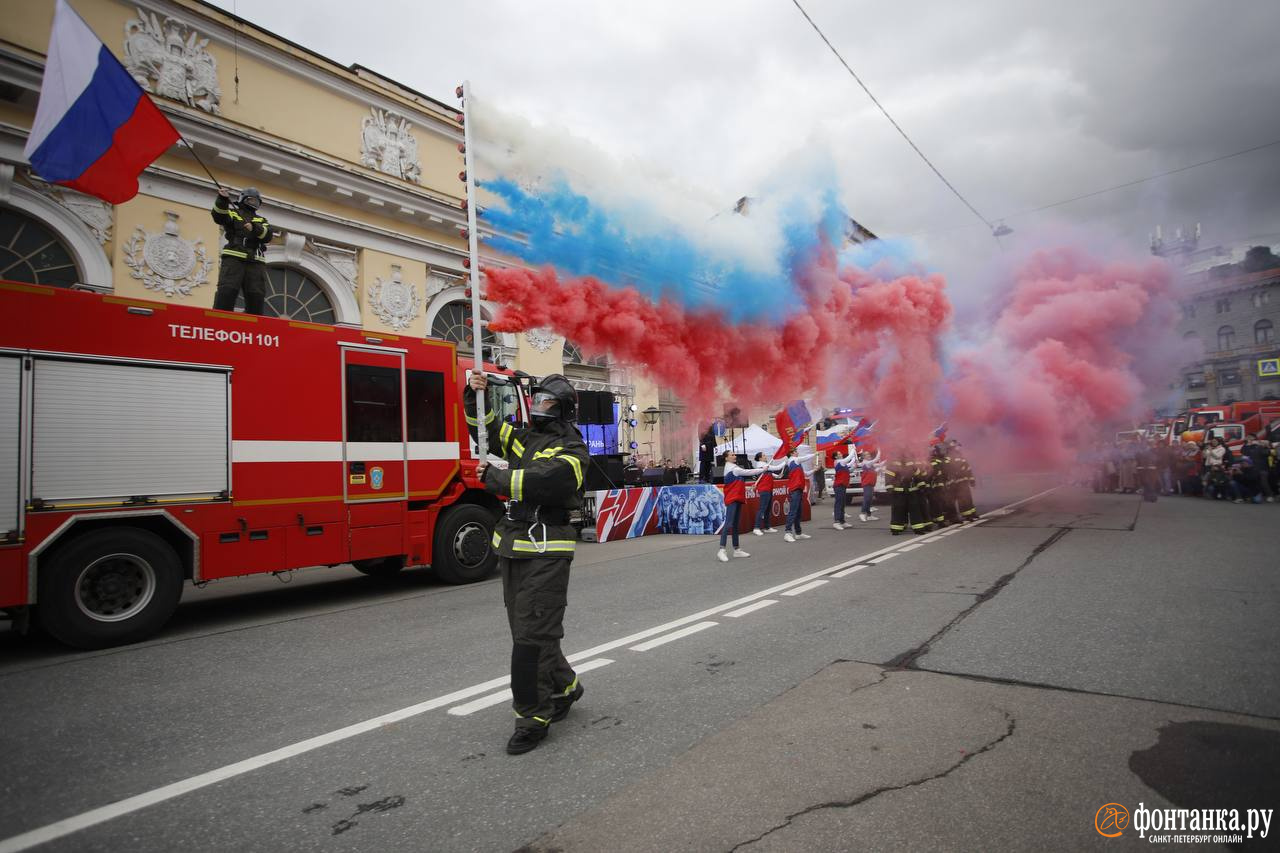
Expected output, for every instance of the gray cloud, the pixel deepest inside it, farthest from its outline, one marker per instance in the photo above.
(1019, 104)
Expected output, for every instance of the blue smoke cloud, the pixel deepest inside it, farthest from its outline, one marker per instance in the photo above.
(566, 230)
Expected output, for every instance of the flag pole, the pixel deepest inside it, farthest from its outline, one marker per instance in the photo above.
(187, 144)
(473, 254)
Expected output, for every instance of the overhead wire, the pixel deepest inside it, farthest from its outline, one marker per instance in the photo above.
(1133, 183)
(895, 124)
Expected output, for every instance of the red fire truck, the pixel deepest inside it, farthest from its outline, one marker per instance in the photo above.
(144, 444)
(1231, 422)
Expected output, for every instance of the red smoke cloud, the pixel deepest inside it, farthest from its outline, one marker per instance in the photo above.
(1068, 357)
(857, 337)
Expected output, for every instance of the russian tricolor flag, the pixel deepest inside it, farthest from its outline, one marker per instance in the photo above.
(95, 129)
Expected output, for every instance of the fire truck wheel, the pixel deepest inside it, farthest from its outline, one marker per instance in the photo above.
(463, 548)
(109, 587)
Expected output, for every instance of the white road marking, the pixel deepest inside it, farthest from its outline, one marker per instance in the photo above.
(884, 557)
(846, 572)
(811, 585)
(674, 635)
(102, 814)
(505, 695)
(751, 608)
(914, 545)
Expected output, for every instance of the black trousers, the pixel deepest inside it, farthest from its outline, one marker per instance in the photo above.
(236, 275)
(918, 505)
(948, 495)
(897, 510)
(536, 592)
(964, 497)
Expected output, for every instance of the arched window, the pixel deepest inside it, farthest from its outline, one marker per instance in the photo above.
(1226, 337)
(573, 355)
(32, 253)
(294, 295)
(453, 323)
(1264, 332)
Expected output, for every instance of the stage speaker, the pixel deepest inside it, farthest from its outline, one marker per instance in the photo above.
(589, 408)
(595, 407)
(605, 471)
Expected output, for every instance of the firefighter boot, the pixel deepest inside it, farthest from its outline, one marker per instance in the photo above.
(526, 738)
(562, 704)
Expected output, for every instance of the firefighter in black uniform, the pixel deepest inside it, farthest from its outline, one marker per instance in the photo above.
(535, 541)
(247, 235)
(963, 483)
(945, 473)
(905, 478)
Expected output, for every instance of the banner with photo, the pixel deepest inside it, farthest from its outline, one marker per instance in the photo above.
(691, 510)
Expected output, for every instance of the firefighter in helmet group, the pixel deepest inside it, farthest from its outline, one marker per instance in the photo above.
(247, 235)
(535, 541)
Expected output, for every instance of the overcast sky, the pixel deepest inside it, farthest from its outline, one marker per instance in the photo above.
(1018, 103)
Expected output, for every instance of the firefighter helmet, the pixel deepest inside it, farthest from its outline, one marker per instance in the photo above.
(250, 197)
(554, 397)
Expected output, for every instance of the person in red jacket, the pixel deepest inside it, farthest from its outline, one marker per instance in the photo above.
(795, 496)
(735, 495)
(870, 473)
(764, 489)
(839, 486)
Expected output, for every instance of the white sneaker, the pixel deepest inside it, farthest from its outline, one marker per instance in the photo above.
(804, 536)
(787, 537)
(838, 526)
(738, 552)
(771, 530)
(862, 516)
(722, 556)
(757, 532)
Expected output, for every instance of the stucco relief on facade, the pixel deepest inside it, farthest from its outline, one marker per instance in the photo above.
(395, 301)
(540, 339)
(96, 214)
(387, 144)
(341, 259)
(171, 60)
(165, 262)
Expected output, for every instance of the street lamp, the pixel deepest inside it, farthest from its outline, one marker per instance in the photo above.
(651, 415)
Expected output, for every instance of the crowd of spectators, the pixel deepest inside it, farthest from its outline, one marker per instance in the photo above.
(1250, 473)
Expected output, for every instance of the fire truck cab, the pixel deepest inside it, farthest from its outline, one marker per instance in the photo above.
(148, 444)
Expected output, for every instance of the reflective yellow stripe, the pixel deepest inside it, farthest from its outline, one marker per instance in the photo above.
(504, 435)
(232, 253)
(517, 484)
(575, 465)
(572, 685)
(554, 546)
(497, 539)
(548, 452)
(517, 447)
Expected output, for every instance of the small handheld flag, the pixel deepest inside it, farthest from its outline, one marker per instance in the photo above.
(95, 129)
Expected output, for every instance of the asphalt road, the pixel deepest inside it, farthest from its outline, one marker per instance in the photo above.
(986, 689)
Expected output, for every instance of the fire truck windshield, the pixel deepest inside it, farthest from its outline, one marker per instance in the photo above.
(504, 400)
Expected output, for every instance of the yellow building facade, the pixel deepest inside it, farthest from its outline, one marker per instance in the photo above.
(358, 174)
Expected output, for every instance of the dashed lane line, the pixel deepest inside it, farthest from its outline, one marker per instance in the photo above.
(844, 573)
(674, 635)
(751, 608)
(128, 805)
(505, 695)
(797, 590)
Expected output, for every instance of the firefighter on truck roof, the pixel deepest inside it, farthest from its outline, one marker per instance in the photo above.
(535, 541)
(241, 266)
